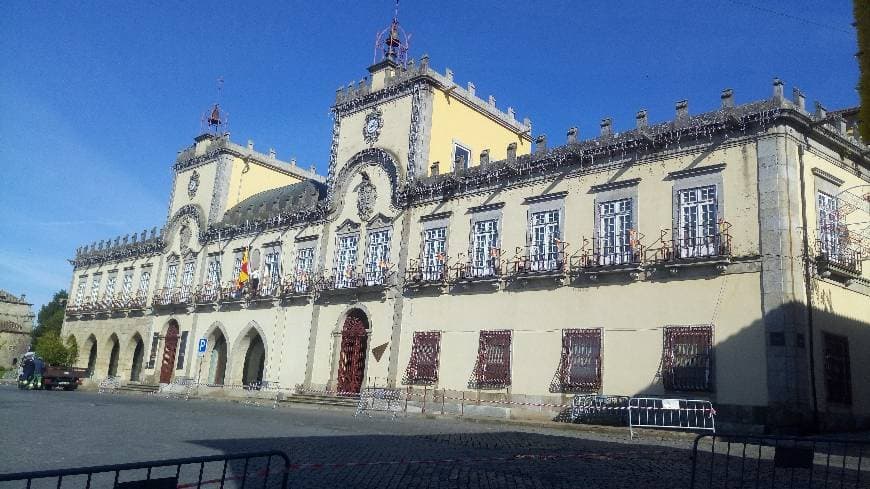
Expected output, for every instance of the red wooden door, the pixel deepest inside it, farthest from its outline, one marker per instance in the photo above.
(351, 361)
(169, 348)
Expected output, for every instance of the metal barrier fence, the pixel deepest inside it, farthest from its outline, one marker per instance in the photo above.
(379, 399)
(599, 409)
(259, 470)
(680, 414)
(738, 461)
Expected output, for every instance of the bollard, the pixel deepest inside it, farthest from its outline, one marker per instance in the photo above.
(407, 395)
(423, 409)
(462, 406)
(443, 395)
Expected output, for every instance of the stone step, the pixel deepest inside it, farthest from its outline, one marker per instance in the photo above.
(322, 400)
(145, 388)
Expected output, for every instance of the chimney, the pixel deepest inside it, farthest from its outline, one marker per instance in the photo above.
(572, 135)
(606, 127)
(777, 90)
(727, 98)
(541, 144)
(434, 168)
(250, 145)
(821, 111)
(682, 108)
(484, 157)
(641, 119)
(799, 100)
(512, 152)
(471, 89)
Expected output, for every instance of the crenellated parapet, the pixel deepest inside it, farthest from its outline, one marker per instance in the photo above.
(613, 148)
(120, 248)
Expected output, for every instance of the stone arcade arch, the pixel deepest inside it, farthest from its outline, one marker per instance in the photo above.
(137, 346)
(249, 356)
(216, 356)
(114, 348)
(90, 349)
(352, 353)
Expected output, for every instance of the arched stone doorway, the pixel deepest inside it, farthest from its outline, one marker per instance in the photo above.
(170, 347)
(91, 348)
(115, 352)
(255, 361)
(138, 347)
(217, 358)
(352, 356)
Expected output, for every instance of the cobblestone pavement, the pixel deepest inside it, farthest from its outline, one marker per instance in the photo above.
(46, 430)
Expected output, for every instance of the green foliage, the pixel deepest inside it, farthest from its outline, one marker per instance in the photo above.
(50, 317)
(862, 25)
(54, 351)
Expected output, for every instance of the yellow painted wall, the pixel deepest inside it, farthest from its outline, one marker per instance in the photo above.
(251, 178)
(453, 120)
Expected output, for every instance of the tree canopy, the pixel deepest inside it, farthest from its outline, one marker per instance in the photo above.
(47, 341)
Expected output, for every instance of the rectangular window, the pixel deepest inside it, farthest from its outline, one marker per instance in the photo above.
(237, 266)
(687, 358)
(493, 368)
(544, 247)
(272, 270)
(110, 286)
(580, 368)
(80, 293)
(171, 275)
(155, 343)
(213, 279)
(95, 287)
(614, 233)
(829, 227)
(698, 233)
(144, 283)
(461, 157)
(345, 260)
(434, 248)
(484, 249)
(838, 371)
(377, 257)
(182, 349)
(304, 268)
(187, 281)
(423, 364)
(127, 287)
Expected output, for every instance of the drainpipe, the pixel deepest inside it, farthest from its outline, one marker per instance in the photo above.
(808, 276)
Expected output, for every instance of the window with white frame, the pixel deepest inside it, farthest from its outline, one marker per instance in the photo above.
(304, 267)
(544, 231)
(110, 286)
(237, 266)
(144, 282)
(377, 257)
(698, 233)
(434, 248)
(484, 248)
(95, 287)
(272, 269)
(461, 157)
(345, 260)
(80, 293)
(171, 276)
(829, 227)
(213, 275)
(187, 280)
(614, 228)
(127, 286)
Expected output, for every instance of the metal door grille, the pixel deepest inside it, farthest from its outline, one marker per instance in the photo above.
(351, 362)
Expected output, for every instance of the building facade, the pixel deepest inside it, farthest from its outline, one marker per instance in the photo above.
(16, 326)
(715, 256)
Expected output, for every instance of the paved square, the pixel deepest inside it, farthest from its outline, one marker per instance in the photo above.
(47, 430)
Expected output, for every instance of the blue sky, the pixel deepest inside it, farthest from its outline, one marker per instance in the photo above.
(97, 98)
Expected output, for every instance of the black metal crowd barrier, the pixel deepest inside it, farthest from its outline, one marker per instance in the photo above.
(749, 461)
(257, 470)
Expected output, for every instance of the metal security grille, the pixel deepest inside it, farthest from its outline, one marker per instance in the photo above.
(493, 368)
(434, 246)
(425, 352)
(687, 358)
(580, 366)
(345, 261)
(351, 361)
(377, 257)
(829, 227)
(698, 222)
(838, 374)
(484, 248)
(545, 233)
(615, 232)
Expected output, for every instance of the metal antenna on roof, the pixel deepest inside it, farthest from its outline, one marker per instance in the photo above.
(215, 121)
(393, 42)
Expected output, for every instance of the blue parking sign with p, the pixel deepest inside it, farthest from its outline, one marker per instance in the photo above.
(200, 348)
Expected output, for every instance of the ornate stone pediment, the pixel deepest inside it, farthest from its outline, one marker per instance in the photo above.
(380, 221)
(347, 226)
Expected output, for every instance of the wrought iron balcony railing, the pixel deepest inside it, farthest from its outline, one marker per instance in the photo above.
(138, 301)
(207, 293)
(840, 259)
(489, 269)
(612, 252)
(378, 277)
(297, 285)
(694, 244)
(536, 261)
(426, 272)
(172, 297)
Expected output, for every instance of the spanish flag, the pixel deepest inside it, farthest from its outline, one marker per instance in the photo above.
(243, 272)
